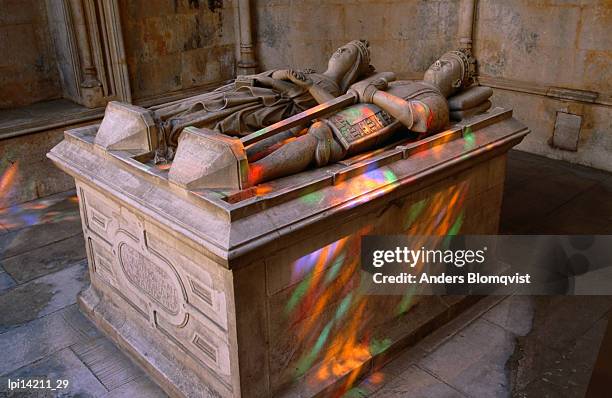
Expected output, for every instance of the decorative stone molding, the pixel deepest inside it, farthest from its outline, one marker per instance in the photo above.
(89, 46)
(127, 127)
(561, 93)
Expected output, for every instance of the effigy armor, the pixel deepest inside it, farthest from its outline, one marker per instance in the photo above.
(360, 126)
(364, 126)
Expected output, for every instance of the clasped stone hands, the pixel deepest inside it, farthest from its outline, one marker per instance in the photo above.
(364, 90)
(297, 77)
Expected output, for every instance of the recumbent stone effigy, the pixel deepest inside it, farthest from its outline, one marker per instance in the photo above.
(223, 230)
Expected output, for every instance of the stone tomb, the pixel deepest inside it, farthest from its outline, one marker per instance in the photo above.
(255, 293)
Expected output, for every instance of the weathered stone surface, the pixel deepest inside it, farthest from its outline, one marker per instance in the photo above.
(141, 387)
(178, 46)
(45, 260)
(561, 324)
(6, 282)
(29, 64)
(539, 113)
(567, 131)
(42, 296)
(32, 175)
(55, 208)
(128, 128)
(474, 360)
(112, 368)
(290, 38)
(179, 276)
(36, 236)
(63, 365)
(543, 368)
(417, 383)
(43, 336)
(515, 314)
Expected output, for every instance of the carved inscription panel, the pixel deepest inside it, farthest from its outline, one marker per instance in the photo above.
(150, 279)
(179, 292)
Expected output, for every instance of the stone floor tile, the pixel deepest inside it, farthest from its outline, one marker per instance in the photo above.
(473, 361)
(541, 165)
(534, 365)
(515, 314)
(110, 365)
(142, 387)
(551, 186)
(543, 388)
(446, 332)
(561, 320)
(518, 217)
(36, 340)
(416, 383)
(398, 365)
(51, 209)
(80, 323)
(45, 260)
(371, 384)
(6, 282)
(567, 221)
(39, 235)
(41, 296)
(63, 365)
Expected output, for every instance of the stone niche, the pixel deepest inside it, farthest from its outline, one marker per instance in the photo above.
(256, 292)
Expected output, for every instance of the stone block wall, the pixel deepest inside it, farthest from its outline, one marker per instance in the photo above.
(540, 54)
(26, 173)
(177, 45)
(541, 57)
(405, 36)
(28, 69)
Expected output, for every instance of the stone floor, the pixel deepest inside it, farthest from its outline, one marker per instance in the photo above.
(43, 114)
(501, 347)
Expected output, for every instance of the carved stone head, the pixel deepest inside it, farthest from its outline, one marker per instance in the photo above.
(453, 71)
(350, 62)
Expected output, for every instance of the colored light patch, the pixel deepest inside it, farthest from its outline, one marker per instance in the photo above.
(389, 176)
(312, 198)
(378, 346)
(469, 138)
(456, 227)
(335, 268)
(7, 181)
(404, 305)
(306, 362)
(343, 307)
(377, 181)
(297, 295)
(413, 213)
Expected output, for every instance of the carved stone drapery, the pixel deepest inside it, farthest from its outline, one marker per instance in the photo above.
(89, 47)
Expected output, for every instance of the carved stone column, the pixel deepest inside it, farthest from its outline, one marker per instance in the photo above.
(247, 62)
(466, 23)
(89, 46)
(91, 88)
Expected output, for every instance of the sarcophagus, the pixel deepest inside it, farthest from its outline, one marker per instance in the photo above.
(256, 292)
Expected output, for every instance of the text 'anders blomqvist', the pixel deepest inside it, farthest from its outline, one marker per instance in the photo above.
(458, 258)
(472, 277)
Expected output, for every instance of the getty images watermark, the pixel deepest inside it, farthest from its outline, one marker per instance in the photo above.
(487, 264)
(428, 257)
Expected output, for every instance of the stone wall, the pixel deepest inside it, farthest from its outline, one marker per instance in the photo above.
(26, 173)
(28, 70)
(542, 57)
(405, 36)
(177, 45)
(539, 54)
